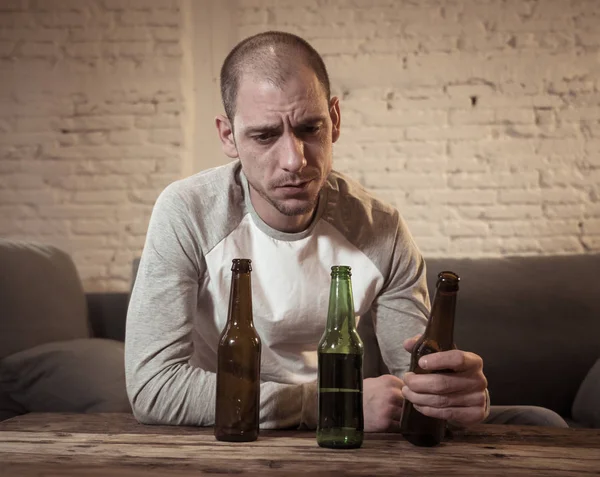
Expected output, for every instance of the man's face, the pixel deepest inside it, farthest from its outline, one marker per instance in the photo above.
(283, 137)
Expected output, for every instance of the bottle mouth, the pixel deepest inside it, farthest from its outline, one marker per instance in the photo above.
(341, 270)
(243, 265)
(448, 280)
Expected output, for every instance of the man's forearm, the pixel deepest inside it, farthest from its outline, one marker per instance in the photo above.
(185, 395)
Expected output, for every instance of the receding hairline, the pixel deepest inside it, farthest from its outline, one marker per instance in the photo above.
(272, 56)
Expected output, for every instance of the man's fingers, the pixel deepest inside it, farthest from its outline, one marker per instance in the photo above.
(445, 383)
(455, 359)
(464, 415)
(477, 398)
(409, 343)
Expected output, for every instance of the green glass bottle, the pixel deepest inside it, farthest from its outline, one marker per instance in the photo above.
(340, 376)
(417, 428)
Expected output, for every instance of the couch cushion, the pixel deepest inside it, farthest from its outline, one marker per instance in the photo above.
(586, 407)
(41, 297)
(85, 375)
(534, 320)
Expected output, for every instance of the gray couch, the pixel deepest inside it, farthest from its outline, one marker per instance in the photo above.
(534, 320)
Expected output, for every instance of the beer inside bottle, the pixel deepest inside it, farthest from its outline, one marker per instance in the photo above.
(417, 428)
(340, 377)
(238, 364)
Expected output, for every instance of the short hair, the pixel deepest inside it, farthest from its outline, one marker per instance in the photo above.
(273, 55)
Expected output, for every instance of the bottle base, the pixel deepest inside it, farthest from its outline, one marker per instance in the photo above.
(237, 436)
(340, 438)
(422, 440)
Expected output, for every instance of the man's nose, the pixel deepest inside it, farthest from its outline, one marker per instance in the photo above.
(292, 156)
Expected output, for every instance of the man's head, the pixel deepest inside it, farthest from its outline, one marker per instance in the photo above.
(280, 123)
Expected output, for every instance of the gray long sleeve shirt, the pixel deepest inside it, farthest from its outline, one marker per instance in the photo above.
(179, 303)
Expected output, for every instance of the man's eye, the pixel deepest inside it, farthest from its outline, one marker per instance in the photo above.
(264, 138)
(310, 129)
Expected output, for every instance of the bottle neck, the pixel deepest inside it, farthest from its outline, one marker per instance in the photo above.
(440, 326)
(340, 316)
(240, 300)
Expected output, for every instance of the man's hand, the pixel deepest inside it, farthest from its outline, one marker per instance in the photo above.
(459, 396)
(382, 403)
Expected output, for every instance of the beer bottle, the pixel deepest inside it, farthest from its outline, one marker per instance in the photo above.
(238, 363)
(417, 428)
(340, 376)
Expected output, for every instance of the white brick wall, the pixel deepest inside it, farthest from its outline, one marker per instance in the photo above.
(91, 111)
(478, 119)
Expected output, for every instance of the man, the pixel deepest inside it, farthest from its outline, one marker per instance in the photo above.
(280, 204)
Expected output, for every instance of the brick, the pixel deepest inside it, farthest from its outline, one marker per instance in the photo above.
(465, 228)
(370, 134)
(395, 117)
(84, 50)
(403, 180)
(164, 33)
(132, 136)
(12, 20)
(40, 227)
(21, 181)
(140, 4)
(433, 132)
(94, 123)
(422, 149)
(151, 18)
(170, 48)
(123, 167)
(61, 19)
(495, 180)
(100, 197)
(136, 48)
(38, 50)
(592, 243)
(25, 139)
(69, 211)
(449, 197)
(13, 5)
(95, 227)
(158, 122)
(562, 195)
(520, 196)
(530, 228)
(459, 117)
(117, 109)
(137, 33)
(560, 211)
(143, 196)
(6, 48)
(562, 147)
(166, 136)
(501, 212)
(591, 227)
(515, 116)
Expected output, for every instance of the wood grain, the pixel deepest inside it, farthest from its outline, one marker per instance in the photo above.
(115, 444)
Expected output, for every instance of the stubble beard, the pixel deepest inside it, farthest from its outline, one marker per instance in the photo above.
(289, 210)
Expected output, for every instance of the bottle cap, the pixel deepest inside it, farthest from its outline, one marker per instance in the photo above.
(448, 281)
(338, 270)
(243, 265)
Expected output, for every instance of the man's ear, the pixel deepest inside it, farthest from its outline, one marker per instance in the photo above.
(225, 132)
(334, 113)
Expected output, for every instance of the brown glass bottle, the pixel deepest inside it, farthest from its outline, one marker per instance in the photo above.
(238, 363)
(417, 428)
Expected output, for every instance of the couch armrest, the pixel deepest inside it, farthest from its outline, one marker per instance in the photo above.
(107, 313)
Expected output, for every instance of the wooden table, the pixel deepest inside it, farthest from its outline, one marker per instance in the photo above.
(115, 444)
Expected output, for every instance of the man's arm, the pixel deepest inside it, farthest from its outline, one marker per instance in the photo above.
(163, 387)
(400, 313)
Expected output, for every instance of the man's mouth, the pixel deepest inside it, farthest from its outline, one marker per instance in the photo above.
(295, 186)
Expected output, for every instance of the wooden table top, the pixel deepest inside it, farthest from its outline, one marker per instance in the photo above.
(115, 444)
